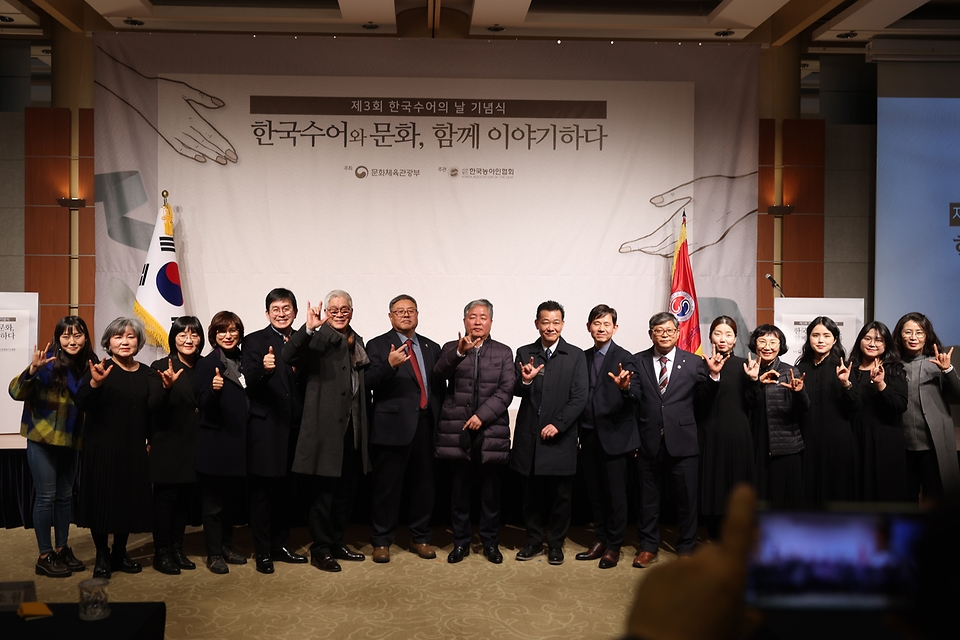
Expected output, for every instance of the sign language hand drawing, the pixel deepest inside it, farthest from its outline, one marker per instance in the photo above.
(191, 135)
(715, 218)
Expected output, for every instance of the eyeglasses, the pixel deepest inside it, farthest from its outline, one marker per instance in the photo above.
(342, 312)
(911, 334)
(231, 332)
(183, 337)
(871, 340)
(404, 313)
(281, 311)
(666, 333)
(768, 343)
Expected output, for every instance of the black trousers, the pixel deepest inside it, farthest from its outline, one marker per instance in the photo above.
(221, 502)
(270, 506)
(547, 498)
(683, 475)
(488, 477)
(332, 499)
(407, 467)
(923, 472)
(605, 477)
(171, 511)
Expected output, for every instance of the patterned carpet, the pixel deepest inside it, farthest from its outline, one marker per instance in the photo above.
(407, 599)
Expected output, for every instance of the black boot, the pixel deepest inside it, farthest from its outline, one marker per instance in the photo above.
(164, 563)
(176, 551)
(120, 561)
(101, 569)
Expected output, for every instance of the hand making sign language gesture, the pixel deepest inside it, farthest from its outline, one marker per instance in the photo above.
(942, 360)
(39, 358)
(397, 357)
(715, 363)
(529, 372)
(622, 377)
(843, 374)
(168, 377)
(465, 344)
(752, 367)
(98, 374)
(315, 316)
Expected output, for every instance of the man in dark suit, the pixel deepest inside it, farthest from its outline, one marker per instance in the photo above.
(332, 445)
(406, 406)
(276, 406)
(553, 389)
(669, 378)
(608, 435)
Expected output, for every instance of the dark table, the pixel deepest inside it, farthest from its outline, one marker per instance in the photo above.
(133, 620)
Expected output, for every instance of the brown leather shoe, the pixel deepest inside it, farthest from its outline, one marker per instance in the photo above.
(609, 559)
(381, 554)
(644, 560)
(424, 550)
(595, 551)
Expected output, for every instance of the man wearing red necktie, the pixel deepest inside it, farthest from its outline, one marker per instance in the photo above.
(406, 406)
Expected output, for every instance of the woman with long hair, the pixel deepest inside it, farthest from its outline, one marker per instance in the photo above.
(173, 446)
(52, 425)
(932, 386)
(222, 440)
(119, 396)
(878, 425)
(726, 443)
(830, 463)
(778, 400)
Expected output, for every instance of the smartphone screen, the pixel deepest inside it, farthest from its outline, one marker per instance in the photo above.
(835, 560)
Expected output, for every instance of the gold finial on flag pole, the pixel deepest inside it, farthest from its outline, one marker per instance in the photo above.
(164, 193)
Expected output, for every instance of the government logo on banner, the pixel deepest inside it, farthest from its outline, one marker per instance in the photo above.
(683, 295)
(160, 295)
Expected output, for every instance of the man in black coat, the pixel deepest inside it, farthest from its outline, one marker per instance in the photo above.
(406, 406)
(608, 435)
(553, 389)
(669, 378)
(276, 406)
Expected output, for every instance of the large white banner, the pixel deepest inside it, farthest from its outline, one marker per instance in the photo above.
(524, 178)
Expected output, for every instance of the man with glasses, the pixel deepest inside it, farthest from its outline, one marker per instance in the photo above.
(332, 446)
(276, 406)
(406, 406)
(669, 378)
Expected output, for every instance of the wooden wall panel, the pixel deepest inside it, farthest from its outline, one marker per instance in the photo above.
(50, 314)
(88, 231)
(804, 142)
(88, 279)
(85, 181)
(46, 132)
(768, 142)
(764, 316)
(766, 188)
(803, 187)
(85, 117)
(49, 276)
(46, 230)
(802, 279)
(764, 237)
(45, 180)
(802, 238)
(86, 311)
(764, 288)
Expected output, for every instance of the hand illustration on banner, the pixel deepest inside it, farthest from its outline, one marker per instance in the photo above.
(191, 135)
(712, 225)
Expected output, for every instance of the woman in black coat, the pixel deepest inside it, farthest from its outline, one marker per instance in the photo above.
(726, 443)
(222, 442)
(830, 461)
(878, 425)
(778, 400)
(173, 446)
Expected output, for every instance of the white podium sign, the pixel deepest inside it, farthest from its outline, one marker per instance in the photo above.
(18, 333)
(793, 315)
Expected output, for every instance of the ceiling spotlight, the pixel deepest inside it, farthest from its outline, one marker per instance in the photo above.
(6, 19)
(847, 35)
(558, 42)
(611, 42)
(495, 28)
(371, 26)
(726, 33)
(804, 65)
(133, 22)
(46, 52)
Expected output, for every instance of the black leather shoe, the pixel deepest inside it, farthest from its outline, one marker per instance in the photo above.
(176, 552)
(325, 562)
(458, 553)
(52, 567)
(595, 551)
(343, 552)
(101, 569)
(493, 554)
(164, 562)
(217, 565)
(67, 558)
(124, 564)
(529, 552)
(285, 555)
(609, 559)
(555, 556)
(231, 557)
(264, 564)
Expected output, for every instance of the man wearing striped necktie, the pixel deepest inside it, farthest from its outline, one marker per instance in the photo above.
(670, 379)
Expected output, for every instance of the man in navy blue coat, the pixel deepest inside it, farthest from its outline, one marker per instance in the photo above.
(406, 407)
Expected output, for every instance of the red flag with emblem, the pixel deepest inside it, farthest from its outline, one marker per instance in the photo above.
(683, 295)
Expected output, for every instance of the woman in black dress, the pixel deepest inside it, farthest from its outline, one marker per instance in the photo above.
(173, 446)
(777, 398)
(831, 470)
(878, 425)
(119, 396)
(222, 441)
(726, 443)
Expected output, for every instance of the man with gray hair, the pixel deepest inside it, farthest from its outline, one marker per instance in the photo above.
(332, 446)
(474, 428)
